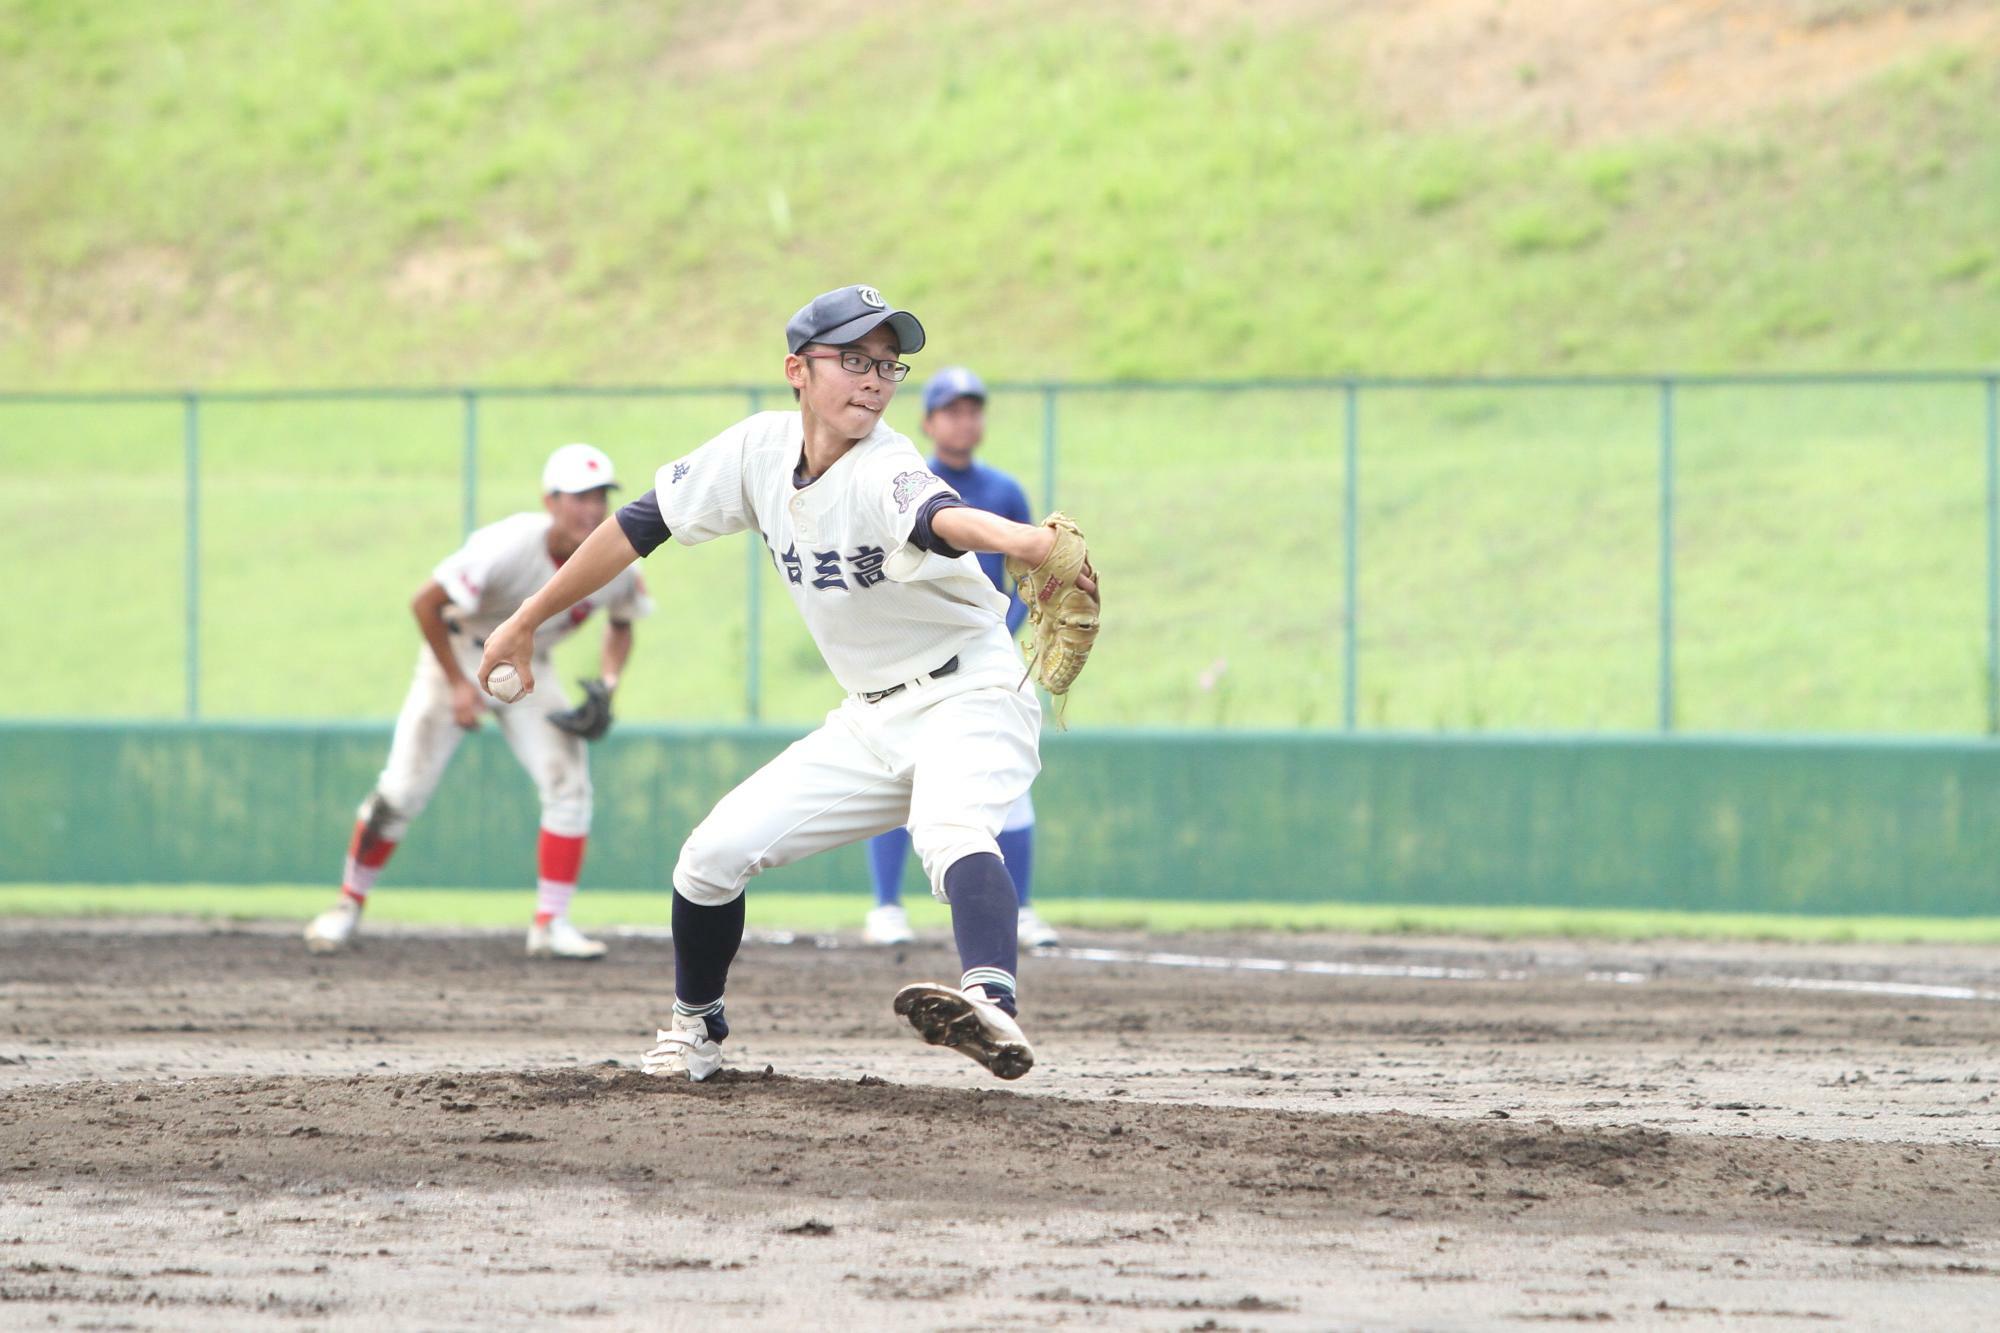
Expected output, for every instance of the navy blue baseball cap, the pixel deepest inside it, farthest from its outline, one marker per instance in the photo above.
(839, 317)
(949, 385)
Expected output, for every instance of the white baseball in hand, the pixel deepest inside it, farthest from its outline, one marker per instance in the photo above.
(504, 683)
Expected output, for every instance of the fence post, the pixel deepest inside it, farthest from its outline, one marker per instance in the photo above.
(191, 552)
(1048, 448)
(1666, 555)
(753, 638)
(1350, 524)
(1993, 554)
(469, 463)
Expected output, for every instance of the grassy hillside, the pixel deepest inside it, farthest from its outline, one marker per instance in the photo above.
(378, 191)
(375, 192)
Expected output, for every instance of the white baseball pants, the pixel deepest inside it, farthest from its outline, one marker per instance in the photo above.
(426, 739)
(947, 756)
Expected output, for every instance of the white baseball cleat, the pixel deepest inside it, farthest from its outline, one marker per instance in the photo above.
(683, 1048)
(968, 1023)
(887, 924)
(1034, 932)
(559, 939)
(333, 930)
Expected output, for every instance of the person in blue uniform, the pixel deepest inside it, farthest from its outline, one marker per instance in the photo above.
(955, 422)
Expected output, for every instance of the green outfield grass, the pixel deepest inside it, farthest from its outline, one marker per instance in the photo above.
(1830, 556)
(642, 192)
(473, 908)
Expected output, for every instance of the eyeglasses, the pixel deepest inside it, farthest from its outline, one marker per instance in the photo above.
(860, 363)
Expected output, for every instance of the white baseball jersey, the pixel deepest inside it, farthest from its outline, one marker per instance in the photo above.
(503, 564)
(881, 610)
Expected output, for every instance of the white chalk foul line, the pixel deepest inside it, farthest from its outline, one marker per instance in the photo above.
(1422, 972)
(1912, 988)
(1388, 971)
(1223, 963)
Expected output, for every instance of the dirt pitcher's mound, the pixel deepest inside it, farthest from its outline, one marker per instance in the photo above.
(212, 1129)
(874, 1139)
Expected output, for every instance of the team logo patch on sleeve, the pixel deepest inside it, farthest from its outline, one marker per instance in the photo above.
(909, 485)
(680, 470)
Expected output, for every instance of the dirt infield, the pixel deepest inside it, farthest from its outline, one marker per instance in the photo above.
(209, 1129)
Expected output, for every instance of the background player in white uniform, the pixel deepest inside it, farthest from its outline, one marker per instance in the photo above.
(939, 730)
(469, 594)
(955, 420)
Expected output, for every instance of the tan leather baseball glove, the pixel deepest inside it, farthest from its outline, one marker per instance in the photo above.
(1062, 618)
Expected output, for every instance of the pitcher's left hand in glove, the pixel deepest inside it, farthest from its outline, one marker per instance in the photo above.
(591, 718)
(1062, 616)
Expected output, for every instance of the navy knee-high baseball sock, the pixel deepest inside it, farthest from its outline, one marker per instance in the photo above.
(984, 916)
(1017, 849)
(705, 943)
(886, 854)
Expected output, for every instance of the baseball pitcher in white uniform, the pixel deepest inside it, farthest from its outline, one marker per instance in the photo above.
(940, 729)
(468, 596)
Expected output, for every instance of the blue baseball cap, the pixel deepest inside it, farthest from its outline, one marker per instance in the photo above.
(840, 316)
(949, 385)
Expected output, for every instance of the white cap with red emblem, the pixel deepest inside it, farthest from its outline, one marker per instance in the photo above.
(575, 468)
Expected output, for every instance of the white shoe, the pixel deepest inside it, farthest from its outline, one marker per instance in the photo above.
(333, 930)
(968, 1023)
(887, 924)
(1034, 932)
(683, 1048)
(559, 939)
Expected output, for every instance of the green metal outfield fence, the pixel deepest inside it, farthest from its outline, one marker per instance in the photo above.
(1427, 641)
(1688, 823)
(1624, 553)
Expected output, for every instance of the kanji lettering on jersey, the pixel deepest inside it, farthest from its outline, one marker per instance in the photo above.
(793, 574)
(866, 562)
(826, 564)
(680, 470)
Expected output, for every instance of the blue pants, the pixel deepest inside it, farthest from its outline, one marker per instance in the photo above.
(888, 853)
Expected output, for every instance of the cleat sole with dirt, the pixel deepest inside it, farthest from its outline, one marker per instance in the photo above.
(945, 1017)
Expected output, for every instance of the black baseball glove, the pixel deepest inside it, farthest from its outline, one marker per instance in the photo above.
(591, 718)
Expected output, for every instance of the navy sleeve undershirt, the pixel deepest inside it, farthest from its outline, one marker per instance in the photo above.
(642, 523)
(923, 538)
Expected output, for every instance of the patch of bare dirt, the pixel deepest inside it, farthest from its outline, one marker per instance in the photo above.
(1583, 69)
(125, 287)
(211, 1128)
(449, 274)
(709, 40)
(1591, 70)
(1015, 1154)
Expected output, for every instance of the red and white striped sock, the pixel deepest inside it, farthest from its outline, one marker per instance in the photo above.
(365, 858)
(561, 861)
